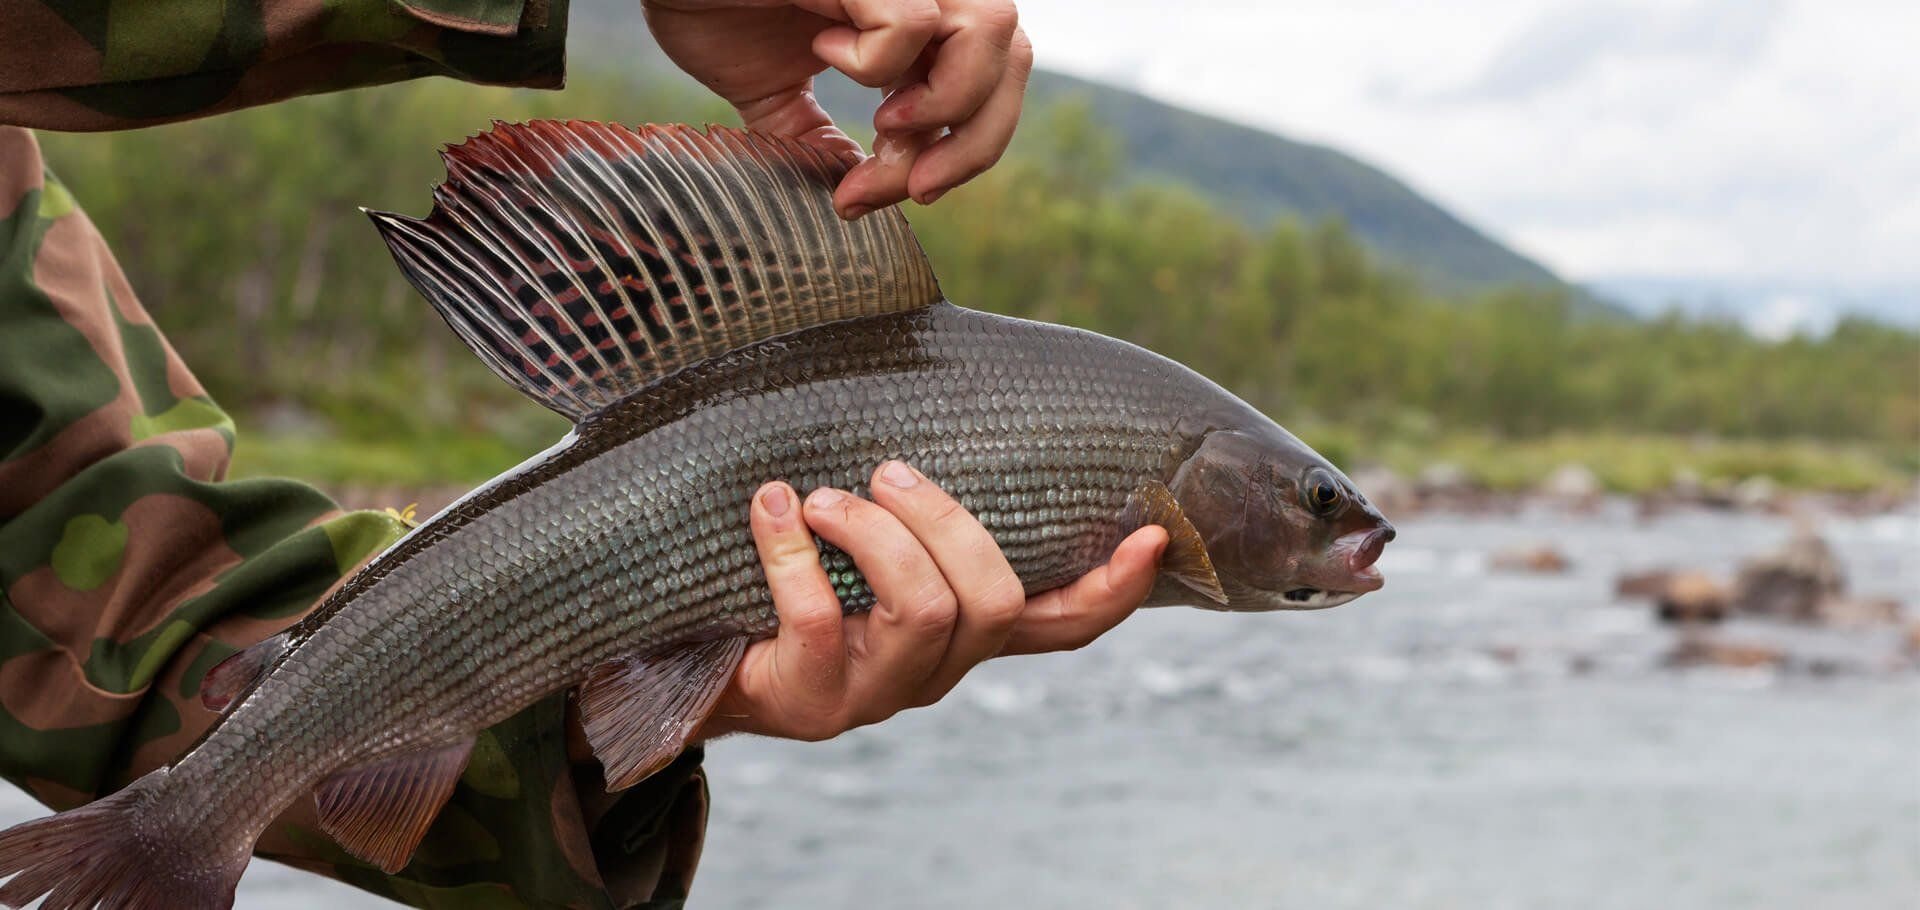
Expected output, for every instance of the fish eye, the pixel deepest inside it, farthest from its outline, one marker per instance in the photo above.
(1322, 494)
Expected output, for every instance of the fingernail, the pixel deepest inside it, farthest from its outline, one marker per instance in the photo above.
(898, 474)
(932, 197)
(857, 212)
(825, 497)
(776, 501)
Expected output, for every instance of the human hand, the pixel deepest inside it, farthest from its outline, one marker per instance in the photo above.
(954, 65)
(947, 601)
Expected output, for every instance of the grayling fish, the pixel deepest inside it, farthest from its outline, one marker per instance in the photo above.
(690, 301)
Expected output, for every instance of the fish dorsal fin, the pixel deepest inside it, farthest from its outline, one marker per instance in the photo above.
(1185, 559)
(231, 678)
(380, 812)
(585, 261)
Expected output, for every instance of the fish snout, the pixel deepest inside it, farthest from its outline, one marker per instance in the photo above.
(1368, 552)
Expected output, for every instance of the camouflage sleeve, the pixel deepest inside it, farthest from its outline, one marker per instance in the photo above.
(113, 64)
(129, 566)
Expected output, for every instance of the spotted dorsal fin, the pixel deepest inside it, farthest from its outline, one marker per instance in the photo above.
(585, 261)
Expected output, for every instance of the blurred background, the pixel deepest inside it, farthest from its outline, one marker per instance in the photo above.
(1612, 306)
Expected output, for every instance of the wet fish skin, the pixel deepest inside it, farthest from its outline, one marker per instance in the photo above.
(630, 538)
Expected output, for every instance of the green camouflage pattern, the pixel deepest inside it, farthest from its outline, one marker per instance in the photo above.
(114, 64)
(129, 566)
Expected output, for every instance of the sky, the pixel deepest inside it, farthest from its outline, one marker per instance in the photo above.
(1772, 143)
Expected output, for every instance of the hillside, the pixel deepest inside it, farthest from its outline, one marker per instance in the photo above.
(1257, 175)
(1262, 176)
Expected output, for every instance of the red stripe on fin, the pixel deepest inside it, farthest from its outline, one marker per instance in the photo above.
(595, 220)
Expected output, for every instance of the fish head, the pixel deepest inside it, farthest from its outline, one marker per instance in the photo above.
(1283, 527)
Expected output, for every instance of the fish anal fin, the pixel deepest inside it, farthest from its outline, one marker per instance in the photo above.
(585, 261)
(231, 678)
(638, 712)
(379, 812)
(1186, 559)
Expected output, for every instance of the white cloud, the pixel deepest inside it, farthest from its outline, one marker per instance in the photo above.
(1719, 138)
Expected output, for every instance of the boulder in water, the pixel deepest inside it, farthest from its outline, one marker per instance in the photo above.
(1792, 582)
(1691, 597)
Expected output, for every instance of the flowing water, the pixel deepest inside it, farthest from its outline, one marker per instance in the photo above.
(1464, 738)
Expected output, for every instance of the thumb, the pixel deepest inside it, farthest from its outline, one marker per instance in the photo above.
(795, 112)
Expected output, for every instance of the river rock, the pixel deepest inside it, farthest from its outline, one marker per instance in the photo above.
(1857, 612)
(1573, 485)
(1705, 651)
(1539, 559)
(1792, 582)
(1642, 585)
(1691, 597)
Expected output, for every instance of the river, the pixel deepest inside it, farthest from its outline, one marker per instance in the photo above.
(1464, 738)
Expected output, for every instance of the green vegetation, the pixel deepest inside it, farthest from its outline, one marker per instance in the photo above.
(242, 236)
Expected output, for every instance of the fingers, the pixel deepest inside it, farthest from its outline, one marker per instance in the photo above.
(989, 595)
(806, 669)
(976, 41)
(977, 143)
(883, 41)
(905, 637)
(796, 112)
(1072, 617)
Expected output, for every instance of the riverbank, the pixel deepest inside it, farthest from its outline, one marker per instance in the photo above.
(1466, 472)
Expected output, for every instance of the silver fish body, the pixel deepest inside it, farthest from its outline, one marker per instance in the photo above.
(691, 303)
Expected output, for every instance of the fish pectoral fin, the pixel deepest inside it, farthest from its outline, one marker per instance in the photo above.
(1185, 560)
(638, 712)
(379, 812)
(231, 678)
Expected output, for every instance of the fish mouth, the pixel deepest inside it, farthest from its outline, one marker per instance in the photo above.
(1316, 598)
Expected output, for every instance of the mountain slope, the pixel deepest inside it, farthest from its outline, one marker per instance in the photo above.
(1258, 175)
(1263, 176)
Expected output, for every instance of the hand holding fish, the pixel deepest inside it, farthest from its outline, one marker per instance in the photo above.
(948, 599)
(957, 67)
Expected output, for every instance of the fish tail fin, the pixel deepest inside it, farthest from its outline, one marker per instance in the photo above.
(107, 853)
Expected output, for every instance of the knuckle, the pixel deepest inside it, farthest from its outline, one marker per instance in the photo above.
(918, 15)
(945, 510)
(999, 17)
(934, 609)
(1020, 54)
(1003, 601)
(815, 616)
(788, 552)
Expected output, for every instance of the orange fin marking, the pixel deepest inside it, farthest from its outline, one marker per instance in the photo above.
(1186, 560)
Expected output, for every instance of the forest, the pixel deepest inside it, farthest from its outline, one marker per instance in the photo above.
(243, 236)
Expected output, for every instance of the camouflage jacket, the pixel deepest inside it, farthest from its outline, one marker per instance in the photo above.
(114, 64)
(129, 565)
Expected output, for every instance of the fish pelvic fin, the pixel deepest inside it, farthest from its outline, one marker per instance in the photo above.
(638, 712)
(381, 811)
(107, 854)
(585, 261)
(1186, 559)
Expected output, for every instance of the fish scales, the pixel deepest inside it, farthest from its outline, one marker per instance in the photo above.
(582, 556)
(691, 303)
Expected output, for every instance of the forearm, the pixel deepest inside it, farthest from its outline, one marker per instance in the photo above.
(83, 66)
